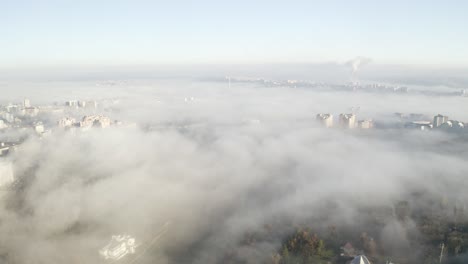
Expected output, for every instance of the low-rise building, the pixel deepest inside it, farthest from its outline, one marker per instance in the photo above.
(420, 125)
(39, 127)
(11, 108)
(66, 122)
(325, 119)
(439, 120)
(71, 103)
(95, 121)
(365, 124)
(348, 250)
(361, 259)
(30, 111)
(2, 124)
(8, 117)
(90, 104)
(7, 147)
(119, 247)
(26, 103)
(453, 126)
(347, 120)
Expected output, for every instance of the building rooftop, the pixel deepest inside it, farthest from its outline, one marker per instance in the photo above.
(361, 259)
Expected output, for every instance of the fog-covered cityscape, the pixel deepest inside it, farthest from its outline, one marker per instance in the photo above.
(104, 178)
(306, 132)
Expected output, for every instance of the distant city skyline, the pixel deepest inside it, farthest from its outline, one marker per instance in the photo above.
(51, 33)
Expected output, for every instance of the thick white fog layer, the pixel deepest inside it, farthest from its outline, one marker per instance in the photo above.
(218, 161)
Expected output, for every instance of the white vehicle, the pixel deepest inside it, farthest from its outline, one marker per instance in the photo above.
(118, 247)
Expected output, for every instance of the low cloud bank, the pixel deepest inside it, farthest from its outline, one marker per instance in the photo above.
(217, 176)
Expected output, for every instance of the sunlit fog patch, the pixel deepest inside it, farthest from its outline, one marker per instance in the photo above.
(234, 170)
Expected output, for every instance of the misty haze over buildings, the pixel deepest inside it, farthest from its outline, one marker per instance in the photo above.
(204, 165)
(239, 132)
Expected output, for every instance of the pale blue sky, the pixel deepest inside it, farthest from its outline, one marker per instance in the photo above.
(113, 32)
